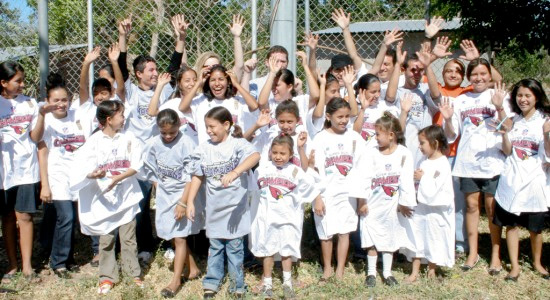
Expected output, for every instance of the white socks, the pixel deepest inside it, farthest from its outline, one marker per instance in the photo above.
(268, 282)
(287, 278)
(371, 265)
(387, 260)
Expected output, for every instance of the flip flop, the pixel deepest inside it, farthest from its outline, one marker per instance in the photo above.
(8, 278)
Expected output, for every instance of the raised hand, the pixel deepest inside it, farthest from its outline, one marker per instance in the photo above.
(401, 55)
(311, 40)
(233, 77)
(125, 26)
(364, 100)
(302, 139)
(321, 77)
(274, 67)
(237, 26)
(393, 36)
(424, 56)
(497, 97)
(302, 56)
(264, 118)
(349, 74)
(406, 102)
(441, 46)
(446, 108)
(470, 50)
(164, 79)
(430, 30)
(114, 52)
(250, 65)
(93, 55)
(341, 18)
(180, 26)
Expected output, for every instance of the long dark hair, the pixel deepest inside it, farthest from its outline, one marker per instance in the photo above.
(436, 137)
(184, 69)
(8, 70)
(107, 109)
(536, 88)
(229, 92)
(222, 115)
(390, 123)
(334, 105)
(364, 82)
(286, 76)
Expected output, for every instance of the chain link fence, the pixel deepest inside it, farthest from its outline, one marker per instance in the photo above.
(209, 31)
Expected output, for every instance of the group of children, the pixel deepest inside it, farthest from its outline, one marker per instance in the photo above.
(382, 155)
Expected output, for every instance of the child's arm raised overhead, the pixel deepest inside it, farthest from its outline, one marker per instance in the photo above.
(390, 37)
(391, 92)
(348, 77)
(250, 101)
(246, 165)
(114, 54)
(45, 191)
(153, 108)
(266, 90)
(180, 55)
(431, 29)
(236, 29)
(124, 28)
(185, 103)
(320, 107)
(84, 89)
(311, 41)
(311, 80)
(249, 67)
(302, 139)
(263, 120)
(343, 20)
(365, 103)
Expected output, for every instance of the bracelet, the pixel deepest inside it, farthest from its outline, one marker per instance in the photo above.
(501, 122)
(179, 203)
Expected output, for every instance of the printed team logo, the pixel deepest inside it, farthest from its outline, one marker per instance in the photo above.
(275, 193)
(341, 147)
(19, 129)
(525, 132)
(70, 148)
(475, 120)
(521, 154)
(344, 170)
(142, 112)
(366, 135)
(389, 190)
(65, 130)
(114, 172)
(525, 148)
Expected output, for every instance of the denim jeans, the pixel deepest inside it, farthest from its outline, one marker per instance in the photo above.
(460, 209)
(63, 213)
(216, 262)
(144, 230)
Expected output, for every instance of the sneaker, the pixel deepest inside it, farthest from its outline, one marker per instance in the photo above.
(288, 292)
(139, 282)
(95, 261)
(62, 273)
(390, 281)
(144, 256)
(104, 287)
(370, 281)
(267, 292)
(209, 294)
(169, 254)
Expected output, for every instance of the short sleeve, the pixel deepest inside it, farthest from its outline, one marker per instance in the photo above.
(244, 149)
(135, 155)
(192, 163)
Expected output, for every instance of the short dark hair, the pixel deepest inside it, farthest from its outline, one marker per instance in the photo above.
(168, 117)
(477, 62)
(55, 81)
(100, 85)
(408, 58)
(364, 82)
(436, 137)
(284, 139)
(106, 109)
(276, 49)
(391, 52)
(536, 88)
(287, 106)
(140, 62)
(229, 92)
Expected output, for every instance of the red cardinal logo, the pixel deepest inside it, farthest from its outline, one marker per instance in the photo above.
(366, 136)
(521, 154)
(389, 190)
(275, 193)
(18, 129)
(70, 148)
(342, 169)
(114, 173)
(476, 121)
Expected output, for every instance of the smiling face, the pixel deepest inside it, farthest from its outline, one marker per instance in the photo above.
(281, 91)
(13, 87)
(526, 100)
(116, 122)
(339, 119)
(149, 76)
(218, 84)
(287, 123)
(60, 98)
(413, 74)
(384, 138)
(217, 131)
(332, 91)
(372, 92)
(188, 80)
(280, 154)
(169, 133)
(480, 77)
(386, 69)
(453, 75)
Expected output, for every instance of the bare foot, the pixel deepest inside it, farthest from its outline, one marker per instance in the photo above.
(412, 278)
(431, 274)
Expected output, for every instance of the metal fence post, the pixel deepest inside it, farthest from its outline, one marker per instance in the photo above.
(254, 22)
(43, 45)
(90, 43)
(283, 31)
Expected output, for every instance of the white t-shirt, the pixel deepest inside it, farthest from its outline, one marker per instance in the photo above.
(101, 211)
(187, 126)
(370, 116)
(236, 106)
(384, 86)
(63, 137)
(478, 154)
(262, 143)
(256, 86)
(524, 185)
(139, 122)
(86, 116)
(17, 118)
(384, 181)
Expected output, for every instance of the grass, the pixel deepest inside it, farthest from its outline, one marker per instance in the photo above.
(453, 283)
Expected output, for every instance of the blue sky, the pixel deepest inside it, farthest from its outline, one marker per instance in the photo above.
(23, 8)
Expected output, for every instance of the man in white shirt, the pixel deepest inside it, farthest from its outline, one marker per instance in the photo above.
(281, 55)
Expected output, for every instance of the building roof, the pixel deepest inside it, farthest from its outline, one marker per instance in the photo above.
(20, 51)
(382, 26)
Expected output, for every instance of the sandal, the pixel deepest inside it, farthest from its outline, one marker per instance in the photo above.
(105, 287)
(33, 278)
(8, 278)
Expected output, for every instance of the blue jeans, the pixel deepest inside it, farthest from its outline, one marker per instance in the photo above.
(144, 230)
(216, 262)
(460, 209)
(62, 238)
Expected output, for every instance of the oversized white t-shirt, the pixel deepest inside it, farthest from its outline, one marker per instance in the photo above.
(262, 143)
(370, 116)
(139, 122)
(524, 185)
(63, 137)
(17, 118)
(478, 154)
